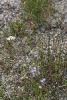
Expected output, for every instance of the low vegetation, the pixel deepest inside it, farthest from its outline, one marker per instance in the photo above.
(41, 74)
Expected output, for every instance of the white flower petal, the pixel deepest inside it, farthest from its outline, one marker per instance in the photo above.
(11, 38)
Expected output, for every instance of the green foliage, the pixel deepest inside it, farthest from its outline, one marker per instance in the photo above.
(65, 82)
(1, 93)
(38, 10)
(17, 28)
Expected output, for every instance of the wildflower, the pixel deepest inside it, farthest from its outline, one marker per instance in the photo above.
(43, 80)
(33, 71)
(11, 38)
(40, 87)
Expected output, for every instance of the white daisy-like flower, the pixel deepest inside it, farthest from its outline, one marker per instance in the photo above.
(11, 38)
(40, 87)
(43, 80)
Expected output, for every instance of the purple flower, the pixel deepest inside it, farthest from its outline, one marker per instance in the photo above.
(33, 71)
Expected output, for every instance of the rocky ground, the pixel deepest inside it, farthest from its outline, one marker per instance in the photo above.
(16, 52)
(9, 10)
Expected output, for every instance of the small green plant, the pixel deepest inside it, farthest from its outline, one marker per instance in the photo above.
(1, 93)
(38, 10)
(17, 28)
